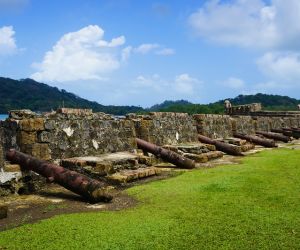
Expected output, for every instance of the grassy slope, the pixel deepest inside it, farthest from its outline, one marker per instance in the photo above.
(248, 206)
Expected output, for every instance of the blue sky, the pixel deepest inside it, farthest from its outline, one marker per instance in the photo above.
(132, 52)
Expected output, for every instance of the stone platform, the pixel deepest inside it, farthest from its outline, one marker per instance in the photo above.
(109, 164)
(199, 152)
(243, 144)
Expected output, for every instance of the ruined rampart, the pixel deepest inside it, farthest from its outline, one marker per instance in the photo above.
(223, 126)
(70, 133)
(165, 128)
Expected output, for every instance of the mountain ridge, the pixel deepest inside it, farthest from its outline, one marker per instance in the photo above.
(30, 94)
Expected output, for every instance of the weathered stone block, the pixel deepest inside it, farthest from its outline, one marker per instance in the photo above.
(74, 111)
(38, 150)
(12, 168)
(50, 124)
(29, 125)
(125, 176)
(214, 155)
(21, 114)
(45, 136)
(26, 137)
(199, 158)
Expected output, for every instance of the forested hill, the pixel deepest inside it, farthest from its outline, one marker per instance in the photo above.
(29, 94)
(269, 102)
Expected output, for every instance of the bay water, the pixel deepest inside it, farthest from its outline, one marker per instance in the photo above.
(3, 117)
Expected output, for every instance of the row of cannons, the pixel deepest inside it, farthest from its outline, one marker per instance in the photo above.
(96, 190)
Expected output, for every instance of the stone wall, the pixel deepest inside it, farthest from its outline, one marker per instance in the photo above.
(214, 126)
(164, 128)
(243, 109)
(223, 126)
(63, 135)
(70, 132)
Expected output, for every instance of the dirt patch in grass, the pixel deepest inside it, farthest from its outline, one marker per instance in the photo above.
(54, 200)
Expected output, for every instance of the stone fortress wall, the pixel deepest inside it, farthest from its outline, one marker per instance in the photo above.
(70, 132)
(223, 126)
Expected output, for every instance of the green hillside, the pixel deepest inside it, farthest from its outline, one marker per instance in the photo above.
(269, 102)
(29, 94)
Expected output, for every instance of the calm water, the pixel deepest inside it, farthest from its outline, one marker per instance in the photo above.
(3, 117)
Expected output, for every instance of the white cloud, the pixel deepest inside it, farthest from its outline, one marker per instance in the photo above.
(153, 47)
(165, 52)
(126, 52)
(146, 48)
(249, 23)
(154, 82)
(181, 84)
(185, 84)
(7, 40)
(281, 66)
(234, 83)
(81, 55)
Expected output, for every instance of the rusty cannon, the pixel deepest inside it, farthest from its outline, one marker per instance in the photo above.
(92, 190)
(165, 154)
(274, 136)
(284, 132)
(222, 146)
(295, 132)
(257, 140)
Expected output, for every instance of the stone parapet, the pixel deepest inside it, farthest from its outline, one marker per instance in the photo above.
(163, 128)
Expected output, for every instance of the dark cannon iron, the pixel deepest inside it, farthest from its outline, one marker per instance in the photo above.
(222, 146)
(92, 190)
(284, 132)
(165, 154)
(275, 136)
(295, 132)
(257, 140)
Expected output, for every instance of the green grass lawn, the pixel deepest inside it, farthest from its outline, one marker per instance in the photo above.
(253, 205)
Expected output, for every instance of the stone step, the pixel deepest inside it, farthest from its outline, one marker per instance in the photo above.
(234, 141)
(243, 144)
(205, 157)
(8, 167)
(248, 146)
(125, 176)
(105, 164)
(191, 148)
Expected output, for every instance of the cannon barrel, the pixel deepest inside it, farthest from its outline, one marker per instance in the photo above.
(165, 154)
(284, 132)
(90, 189)
(222, 146)
(295, 129)
(275, 136)
(295, 132)
(256, 140)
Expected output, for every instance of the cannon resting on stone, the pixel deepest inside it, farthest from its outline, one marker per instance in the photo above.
(275, 136)
(222, 146)
(165, 154)
(295, 132)
(257, 140)
(92, 190)
(282, 131)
